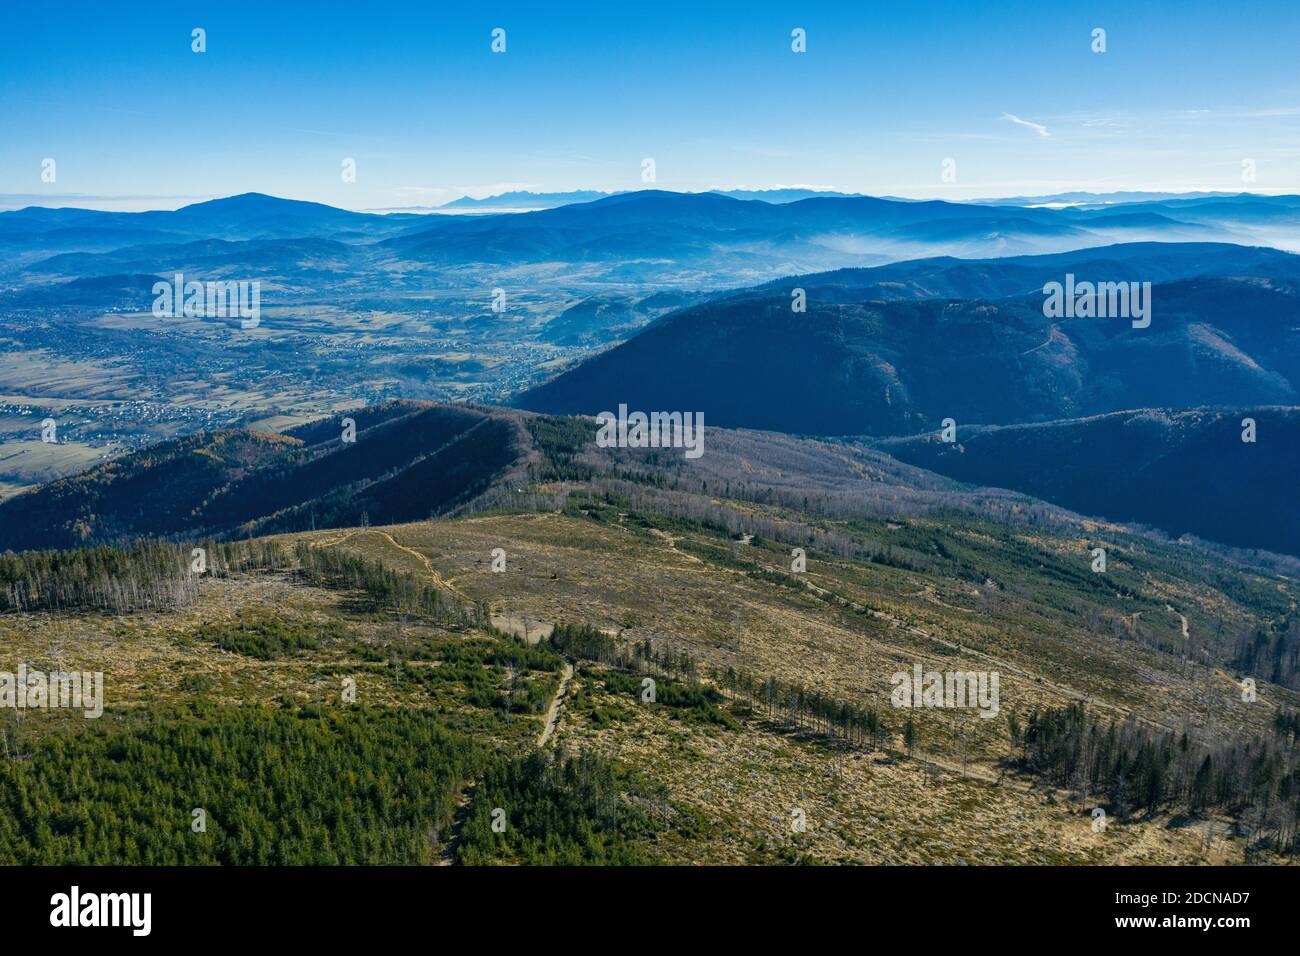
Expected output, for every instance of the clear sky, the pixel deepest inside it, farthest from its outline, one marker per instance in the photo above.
(1011, 91)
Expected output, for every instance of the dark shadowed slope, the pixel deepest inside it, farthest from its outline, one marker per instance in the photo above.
(410, 460)
(1182, 472)
(858, 363)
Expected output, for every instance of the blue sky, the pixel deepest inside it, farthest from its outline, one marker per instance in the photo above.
(584, 92)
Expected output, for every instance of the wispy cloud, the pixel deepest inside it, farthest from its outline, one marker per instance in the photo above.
(1038, 128)
(1278, 111)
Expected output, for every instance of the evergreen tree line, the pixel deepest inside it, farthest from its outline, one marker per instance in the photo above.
(1134, 769)
(793, 705)
(555, 810)
(558, 440)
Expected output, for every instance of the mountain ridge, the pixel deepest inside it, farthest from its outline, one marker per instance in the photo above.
(860, 362)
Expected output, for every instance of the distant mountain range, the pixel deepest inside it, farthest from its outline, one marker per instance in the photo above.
(522, 200)
(543, 200)
(519, 199)
(916, 311)
(691, 229)
(247, 216)
(660, 235)
(651, 237)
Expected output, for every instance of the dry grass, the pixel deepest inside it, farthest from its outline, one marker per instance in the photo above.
(863, 808)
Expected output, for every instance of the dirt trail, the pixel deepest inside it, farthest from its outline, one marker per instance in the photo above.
(433, 572)
(1051, 335)
(531, 629)
(672, 545)
(536, 631)
(447, 855)
(557, 702)
(1181, 617)
(330, 542)
(438, 579)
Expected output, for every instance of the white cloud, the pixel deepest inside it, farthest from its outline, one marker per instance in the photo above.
(1038, 128)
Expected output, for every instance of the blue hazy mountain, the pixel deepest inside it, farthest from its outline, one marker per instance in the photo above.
(779, 237)
(1089, 199)
(522, 199)
(649, 235)
(213, 256)
(783, 195)
(707, 228)
(248, 216)
(96, 291)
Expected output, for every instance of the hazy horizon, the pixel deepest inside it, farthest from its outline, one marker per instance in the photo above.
(10, 203)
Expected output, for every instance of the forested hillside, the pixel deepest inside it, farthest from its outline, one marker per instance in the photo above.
(396, 462)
